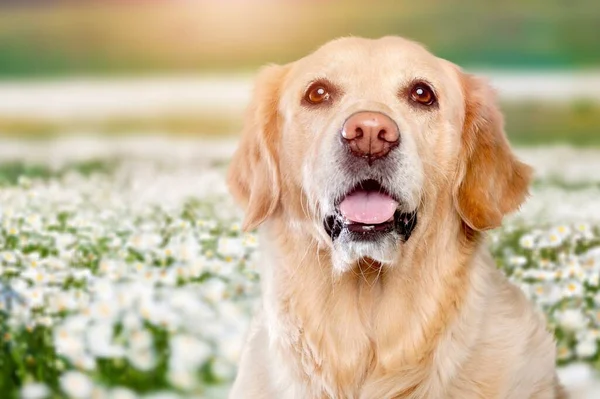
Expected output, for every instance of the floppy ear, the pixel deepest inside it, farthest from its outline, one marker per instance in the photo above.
(491, 182)
(253, 175)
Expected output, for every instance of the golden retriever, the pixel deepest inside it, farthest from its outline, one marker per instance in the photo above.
(373, 169)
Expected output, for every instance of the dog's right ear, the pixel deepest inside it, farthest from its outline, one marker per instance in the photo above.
(253, 175)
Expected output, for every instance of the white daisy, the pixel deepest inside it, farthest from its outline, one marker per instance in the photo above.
(34, 390)
(586, 348)
(76, 385)
(188, 352)
(572, 319)
(142, 359)
(527, 241)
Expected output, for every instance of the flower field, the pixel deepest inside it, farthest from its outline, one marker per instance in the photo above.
(124, 273)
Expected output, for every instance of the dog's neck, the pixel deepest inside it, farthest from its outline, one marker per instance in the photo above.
(374, 318)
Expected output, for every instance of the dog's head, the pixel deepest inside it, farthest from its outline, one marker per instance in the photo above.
(361, 138)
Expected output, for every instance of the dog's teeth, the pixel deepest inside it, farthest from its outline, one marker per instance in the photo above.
(368, 227)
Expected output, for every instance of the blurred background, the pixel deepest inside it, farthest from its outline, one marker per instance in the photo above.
(185, 67)
(118, 119)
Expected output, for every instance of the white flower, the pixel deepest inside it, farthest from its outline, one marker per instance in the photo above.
(143, 360)
(100, 341)
(586, 348)
(574, 269)
(63, 241)
(84, 362)
(102, 288)
(82, 300)
(111, 268)
(36, 275)
(214, 290)
(585, 229)
(538, 274)
(206, 224)
(34, 296)
(34, 222)
(161, 314)
(45, 321)
(76, 385)
(563, 352)
(104, 310)
(166, 275)
(223, 370)
(188, 352)
(145, 241)
(527, 241)
(68, 343)
(591, 259)
(551, 240)
(562, 231)
(593, 279)
(197, 267)
(55, 264)
(184, 248)
(76, 323)
(162, 395)
(131, 321)
(61, 301)
(517, 260)
(546, 263)
(183, 379)
(205, 237)
(8, 257)
(546, 294)
(33, 260)
(100, 392)
(34, 390)
(122, 393)
(10, 228)
(188, 303)
(140, 340)
(250, 240)
(572, 319)
(233, 247)
(573, 288)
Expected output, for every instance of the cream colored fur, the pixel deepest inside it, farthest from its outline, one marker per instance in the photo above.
(439, 320)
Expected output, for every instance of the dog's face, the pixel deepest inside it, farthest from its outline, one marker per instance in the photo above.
(363, 136)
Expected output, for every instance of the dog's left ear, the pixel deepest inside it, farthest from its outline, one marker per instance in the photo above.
(491, 182)
(253, 175)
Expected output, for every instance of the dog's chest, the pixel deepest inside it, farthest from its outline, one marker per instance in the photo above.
(337, 365)
(336, 353)
(328, 361)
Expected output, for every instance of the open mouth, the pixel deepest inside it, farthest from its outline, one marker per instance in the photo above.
(367, 212)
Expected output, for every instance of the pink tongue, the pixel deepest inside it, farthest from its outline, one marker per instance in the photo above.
(368, 207)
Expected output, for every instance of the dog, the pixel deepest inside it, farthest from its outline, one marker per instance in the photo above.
(373, 169)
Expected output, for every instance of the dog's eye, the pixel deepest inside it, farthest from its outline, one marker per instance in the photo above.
(422, 94)
(317, 94)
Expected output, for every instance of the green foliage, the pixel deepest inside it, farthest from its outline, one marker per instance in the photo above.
(113, 38)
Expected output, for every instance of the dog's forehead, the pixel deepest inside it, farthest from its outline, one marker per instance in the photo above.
(392, 47)
(388, 60)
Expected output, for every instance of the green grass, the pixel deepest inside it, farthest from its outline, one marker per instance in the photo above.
(576, 124)
(11, 173)
(176, 125)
